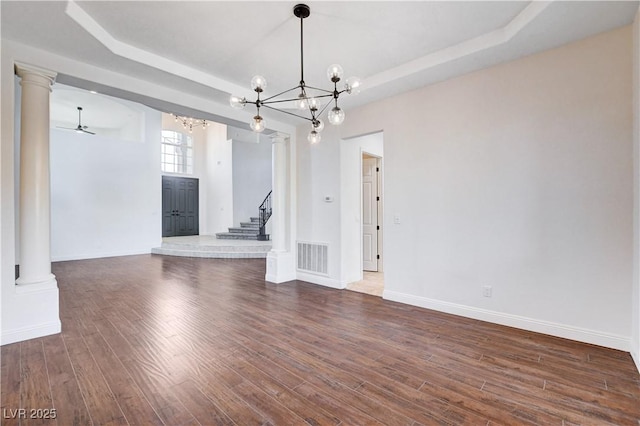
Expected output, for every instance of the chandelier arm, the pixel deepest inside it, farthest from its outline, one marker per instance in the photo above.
(295, 99)
(324, 108)
(287, 112)
(290, 100)
(281, 93)
(321, 90)
(278, 101)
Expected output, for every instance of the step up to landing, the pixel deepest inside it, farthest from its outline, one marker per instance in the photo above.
(208, 246)
(247, 231)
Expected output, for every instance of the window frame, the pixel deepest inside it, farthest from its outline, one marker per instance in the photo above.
(176, 152)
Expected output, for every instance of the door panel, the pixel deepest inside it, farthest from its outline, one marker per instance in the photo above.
(168, 222)
(179, 206)
(369, 214)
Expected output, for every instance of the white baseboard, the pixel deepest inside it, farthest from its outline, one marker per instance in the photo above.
(539, 326)
(321, 280)
(279, 279)
(84, 256)
(636, 358)
(31, 332)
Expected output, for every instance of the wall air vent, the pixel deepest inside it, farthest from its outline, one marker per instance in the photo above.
(313, 257)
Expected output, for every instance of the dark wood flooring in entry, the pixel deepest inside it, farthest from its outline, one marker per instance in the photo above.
(177, 341)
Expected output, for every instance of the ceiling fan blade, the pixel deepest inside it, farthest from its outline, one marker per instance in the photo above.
(80, 128)
(75, 129)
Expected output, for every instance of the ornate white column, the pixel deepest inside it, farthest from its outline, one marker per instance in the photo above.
(280, 259)
(35, 211)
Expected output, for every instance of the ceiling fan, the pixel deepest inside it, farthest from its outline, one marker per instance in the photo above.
(80, 128)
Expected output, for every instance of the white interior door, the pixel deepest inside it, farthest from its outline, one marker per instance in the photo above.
(369, 214)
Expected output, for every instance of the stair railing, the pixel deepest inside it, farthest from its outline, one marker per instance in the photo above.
(264, 214)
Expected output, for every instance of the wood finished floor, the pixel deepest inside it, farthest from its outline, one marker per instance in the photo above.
(179, 341)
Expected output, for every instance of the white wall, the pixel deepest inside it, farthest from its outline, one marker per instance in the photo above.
(635, 323)
(219, 197)
(105, 192)
(318, 176)
(251, 178)
(518, 177)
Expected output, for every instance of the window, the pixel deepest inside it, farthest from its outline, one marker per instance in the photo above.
(177, 152)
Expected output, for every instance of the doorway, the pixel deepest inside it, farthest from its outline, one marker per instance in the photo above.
(179, 206)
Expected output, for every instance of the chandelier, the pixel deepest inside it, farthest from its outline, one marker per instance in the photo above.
(189, 123)
(308, 100)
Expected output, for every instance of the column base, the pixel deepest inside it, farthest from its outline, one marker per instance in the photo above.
(280, 267)
(27, 284)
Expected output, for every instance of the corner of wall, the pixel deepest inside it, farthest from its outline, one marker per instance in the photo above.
(635, 307)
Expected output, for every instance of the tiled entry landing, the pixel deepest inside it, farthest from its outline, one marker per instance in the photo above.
(210, 247)
(372, 283)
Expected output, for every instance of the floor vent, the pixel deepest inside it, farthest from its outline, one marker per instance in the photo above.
(312, 257)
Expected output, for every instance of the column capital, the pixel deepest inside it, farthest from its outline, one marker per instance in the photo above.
(43, 77)
(279, 137)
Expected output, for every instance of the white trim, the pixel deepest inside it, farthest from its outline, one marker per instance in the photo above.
(539, 326)
(117, 47)
(30, 332)
(320, 280)
(636, 358)
(81, 256)
(460, 50)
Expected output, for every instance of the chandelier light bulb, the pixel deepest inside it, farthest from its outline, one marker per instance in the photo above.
(257, 125)
(334, 73)
(237, 102)
(314, 137)
(258, 83)
(336, 116)
(318, 125)
(313, 104)
(353, 85)
(301, 103)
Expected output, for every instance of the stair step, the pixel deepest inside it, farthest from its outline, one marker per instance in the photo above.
(254, 225)
(236, 236)
(183, 247)
(255, 219)
(257, 254)
(243, 230)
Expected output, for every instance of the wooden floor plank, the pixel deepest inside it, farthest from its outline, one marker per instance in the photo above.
(65, 391)
(10, 383)
(126, 393)
(36, 389)
(180, 341)
(100, 401)
(204, 410)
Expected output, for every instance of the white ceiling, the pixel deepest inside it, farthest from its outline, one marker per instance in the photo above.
(214, 48)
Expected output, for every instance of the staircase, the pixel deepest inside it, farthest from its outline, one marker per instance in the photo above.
(246, 231)
(254, 230)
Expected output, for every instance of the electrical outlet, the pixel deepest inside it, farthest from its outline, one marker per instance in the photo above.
(486, 291)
